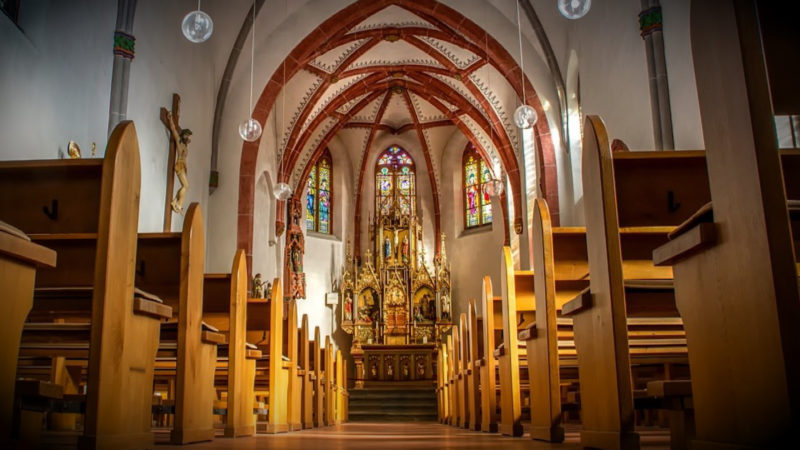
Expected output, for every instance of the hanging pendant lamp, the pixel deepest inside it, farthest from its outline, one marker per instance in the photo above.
(574, 9)
(250, 129)
(197, 26)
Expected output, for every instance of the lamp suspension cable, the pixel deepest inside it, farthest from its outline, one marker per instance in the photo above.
(282, 189)
(525, 116)
(494, 187)
(521, 55)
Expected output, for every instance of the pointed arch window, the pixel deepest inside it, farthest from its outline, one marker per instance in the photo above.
(319, 196)
(477, 205)
(395, 181)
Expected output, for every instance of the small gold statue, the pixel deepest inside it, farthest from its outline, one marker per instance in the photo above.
(94, 147)
(182, 140)
(258, 287)
(73, 150)
(268, 290)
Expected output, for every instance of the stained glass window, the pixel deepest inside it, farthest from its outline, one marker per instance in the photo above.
(319, 199)
(477, 205)
(395, 182)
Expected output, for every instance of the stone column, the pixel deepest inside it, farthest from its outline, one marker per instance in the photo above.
(123, 55)
(650, 24)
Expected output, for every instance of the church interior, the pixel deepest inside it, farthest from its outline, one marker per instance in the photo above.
(399, 223)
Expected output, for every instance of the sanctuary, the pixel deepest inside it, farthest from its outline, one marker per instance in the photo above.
(395, 307)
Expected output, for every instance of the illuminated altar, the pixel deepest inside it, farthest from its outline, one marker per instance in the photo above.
(392, 303)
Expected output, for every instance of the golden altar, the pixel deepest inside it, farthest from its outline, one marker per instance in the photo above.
(395, 307)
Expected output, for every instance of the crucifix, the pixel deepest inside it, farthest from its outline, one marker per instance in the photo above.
(176, 165)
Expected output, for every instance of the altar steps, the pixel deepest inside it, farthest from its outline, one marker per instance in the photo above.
(392, 405)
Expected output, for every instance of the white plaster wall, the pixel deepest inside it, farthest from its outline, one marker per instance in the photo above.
(325, 254)
(55, 78)
(472, 255)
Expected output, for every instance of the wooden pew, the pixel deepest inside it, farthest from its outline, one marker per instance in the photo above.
(441, 382)
(328, 381)
(517, 296)
(542, 339)
(600, 314)
(225, 308)
(473, 369)
(735, 268)
(278, 371)
(294, 406)
(488, 362)
(19, 258)
(319, 391)
(91, 210)
(462, 378)
(339, 389)
(452, 359)
(171, 265)
(305, 358)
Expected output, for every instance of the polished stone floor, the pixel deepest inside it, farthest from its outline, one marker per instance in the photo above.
(385, 436)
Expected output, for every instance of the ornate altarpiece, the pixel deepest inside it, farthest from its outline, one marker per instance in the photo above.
(395, 307)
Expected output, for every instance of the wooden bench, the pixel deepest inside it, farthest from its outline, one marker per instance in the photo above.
(442, 395)
(492, 320)
(517, 298)
(89, 208)
(265, 325)
(19, 258)
(319, 373)
(225, 308)
(463, 369)
(542, 339)
(171, 265)
(329, 382)
(632, 200)
(305, 373)
(735, 262)
(472, 358)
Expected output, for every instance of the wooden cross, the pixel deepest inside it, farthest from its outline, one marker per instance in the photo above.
(173, 148)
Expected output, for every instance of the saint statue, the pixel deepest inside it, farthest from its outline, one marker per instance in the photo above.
(387, 248)
(445, 307)
(258, 286)
(297, 261)
(420, 368)
(405, 249)
(418, 316)
(182, 140)
(348, 307)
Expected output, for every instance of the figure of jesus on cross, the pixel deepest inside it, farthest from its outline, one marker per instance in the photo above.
(180, 140)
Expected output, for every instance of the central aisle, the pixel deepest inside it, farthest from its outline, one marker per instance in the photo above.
(387, 436)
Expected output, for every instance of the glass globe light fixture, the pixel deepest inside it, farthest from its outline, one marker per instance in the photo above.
(250, 130)
(493, 188)
(197, 26)
(282, 191)
(525, 116)
(574, 9)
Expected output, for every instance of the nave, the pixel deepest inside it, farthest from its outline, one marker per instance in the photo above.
(403, 252)
(405, 435)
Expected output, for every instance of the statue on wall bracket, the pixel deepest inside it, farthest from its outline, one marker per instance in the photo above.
(295, 287)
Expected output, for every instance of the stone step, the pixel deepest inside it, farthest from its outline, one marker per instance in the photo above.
(368, 403)
(390, 417)
(390, 394)
(387, 404)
